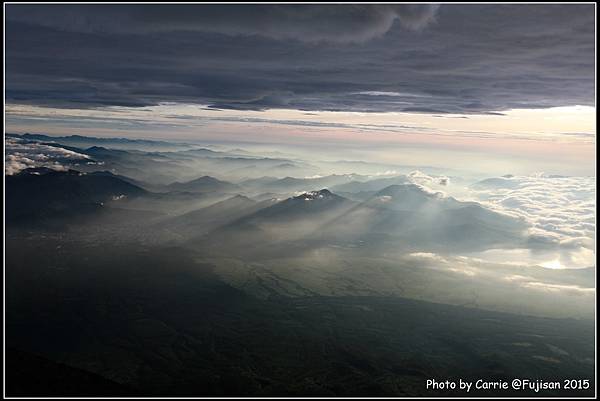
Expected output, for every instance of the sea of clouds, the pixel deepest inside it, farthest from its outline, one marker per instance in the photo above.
(560, 211)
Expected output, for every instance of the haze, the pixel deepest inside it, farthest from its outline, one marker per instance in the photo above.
(298, 200)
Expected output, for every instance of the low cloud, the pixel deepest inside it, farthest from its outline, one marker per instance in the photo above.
(560, 210)
(428, 180)
(21, 154)
(566, 289)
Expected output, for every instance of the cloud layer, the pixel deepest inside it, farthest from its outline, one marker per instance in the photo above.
(20, 154)
(560, 210)
(415, 58)
(324, 23)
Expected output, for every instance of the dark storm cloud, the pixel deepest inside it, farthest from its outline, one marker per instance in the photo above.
(334, 23)
(451, 59)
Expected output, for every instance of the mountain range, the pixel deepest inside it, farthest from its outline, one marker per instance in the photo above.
(41, 193)
(405, 214)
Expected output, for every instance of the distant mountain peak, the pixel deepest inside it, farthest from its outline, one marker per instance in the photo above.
(96, 149)
(314, 195)
(408, 197)
(205, 178)
(205, 183)
(402, 189)
(238, 196)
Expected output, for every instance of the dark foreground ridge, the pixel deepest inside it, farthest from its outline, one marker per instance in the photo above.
(34, 376)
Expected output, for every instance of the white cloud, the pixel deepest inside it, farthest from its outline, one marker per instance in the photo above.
(431, 183)
(529, 277)
(560, 210)
(428, 256)
(20, 154)
(567, 289)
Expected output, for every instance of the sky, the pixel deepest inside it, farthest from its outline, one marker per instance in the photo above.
(406, 83)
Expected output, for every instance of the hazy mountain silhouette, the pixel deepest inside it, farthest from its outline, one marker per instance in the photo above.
(203, 184)
(411, 215)
(370, 185)
(497, 182)
(38, 193)
(292, 218)
(208, 218)
(293, 184)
